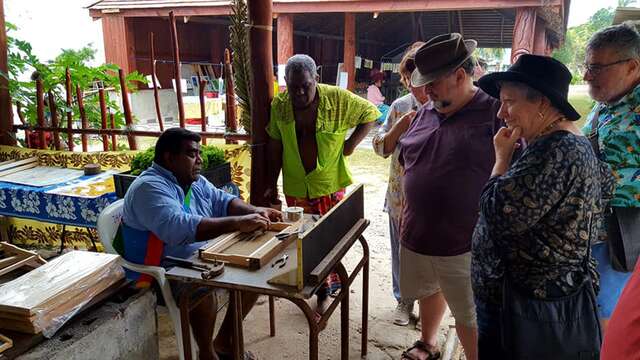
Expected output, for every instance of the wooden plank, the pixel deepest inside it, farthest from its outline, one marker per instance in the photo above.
(330, 229)
(17, 169)
(350, 48)
(332, 258)
(16, 265)
(12, 163)
(5, 343)
(9, 260)
(12, 249)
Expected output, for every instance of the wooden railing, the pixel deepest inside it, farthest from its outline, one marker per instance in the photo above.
(107, 126)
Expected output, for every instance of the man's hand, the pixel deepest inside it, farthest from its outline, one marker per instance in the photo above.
(269, 213)
(252, 222)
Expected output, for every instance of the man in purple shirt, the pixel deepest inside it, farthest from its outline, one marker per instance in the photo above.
(447, 154)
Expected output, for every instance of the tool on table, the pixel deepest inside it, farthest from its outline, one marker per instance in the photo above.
(284, 236)
(207, 272)
(281, 262)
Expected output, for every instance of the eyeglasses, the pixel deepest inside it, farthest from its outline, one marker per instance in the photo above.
(596, 69)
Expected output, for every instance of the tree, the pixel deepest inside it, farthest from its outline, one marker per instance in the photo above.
(21, 60)
(572, 52)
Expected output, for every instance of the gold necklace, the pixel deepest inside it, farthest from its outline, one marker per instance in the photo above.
(549, 127)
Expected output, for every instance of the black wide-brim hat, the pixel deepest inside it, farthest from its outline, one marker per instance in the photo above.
(545, 74)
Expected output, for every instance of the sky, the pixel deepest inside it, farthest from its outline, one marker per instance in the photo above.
(51, 25)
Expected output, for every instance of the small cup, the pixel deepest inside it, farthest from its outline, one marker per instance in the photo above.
(293, 214)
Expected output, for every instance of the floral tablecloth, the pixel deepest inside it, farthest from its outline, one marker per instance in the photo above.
(35, 219)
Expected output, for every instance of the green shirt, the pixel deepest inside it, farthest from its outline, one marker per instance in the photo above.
(619, 138)
(338, 111)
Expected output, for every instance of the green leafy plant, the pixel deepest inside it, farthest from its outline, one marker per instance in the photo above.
(212, 156)
(21, 60)
(142, 161)
(239, 42)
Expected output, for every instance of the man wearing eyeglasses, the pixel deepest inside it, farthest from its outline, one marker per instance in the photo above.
(612, 70)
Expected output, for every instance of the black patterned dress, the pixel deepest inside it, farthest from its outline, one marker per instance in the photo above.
(535, 220)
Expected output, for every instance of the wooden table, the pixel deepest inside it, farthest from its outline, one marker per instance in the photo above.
(238, 280)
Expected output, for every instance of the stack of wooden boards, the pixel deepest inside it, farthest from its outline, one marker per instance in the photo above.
(45, 298)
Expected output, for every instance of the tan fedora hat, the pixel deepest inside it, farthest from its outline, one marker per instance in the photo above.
(439, 56)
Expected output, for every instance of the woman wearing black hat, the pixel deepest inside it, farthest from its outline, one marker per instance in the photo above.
(532, 273)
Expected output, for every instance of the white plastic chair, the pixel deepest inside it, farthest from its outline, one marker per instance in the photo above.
(108, 223)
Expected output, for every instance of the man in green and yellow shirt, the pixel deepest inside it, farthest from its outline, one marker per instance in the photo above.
(308, 131)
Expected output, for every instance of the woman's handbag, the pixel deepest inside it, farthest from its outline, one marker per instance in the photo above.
(560, 328)
(622, 224)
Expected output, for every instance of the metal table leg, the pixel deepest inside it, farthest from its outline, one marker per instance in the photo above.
(344, 312)
(272, 318)
(185, 325)
(314, 329)
(235, 305)
(365, 296)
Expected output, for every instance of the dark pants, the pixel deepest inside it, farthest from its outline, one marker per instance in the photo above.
(489, 331)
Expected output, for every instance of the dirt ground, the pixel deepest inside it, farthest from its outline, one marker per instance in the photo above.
(386, 340)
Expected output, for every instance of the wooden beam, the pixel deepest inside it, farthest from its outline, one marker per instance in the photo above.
(523, 33)
(540, 43)
(328, 6)
(261, 58)
(350, 49)
(285, 38)
(6, 120)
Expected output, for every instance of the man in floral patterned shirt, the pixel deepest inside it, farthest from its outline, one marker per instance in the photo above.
(612, 70)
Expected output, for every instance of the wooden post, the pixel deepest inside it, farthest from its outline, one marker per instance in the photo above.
(231, 123)
(523, 32)
(350, 48)
(176, 66)
(203, 112)
(285, 38)
(103, 117)
(83, 118)
(114, 138)
(6, 123)
(261, 55)
(127, 110)
(540, 43)
(156, 97)
(69, 115)
(54, 120)
(27, 133)
(40, 113)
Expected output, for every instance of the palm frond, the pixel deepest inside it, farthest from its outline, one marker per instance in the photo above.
(239, 42)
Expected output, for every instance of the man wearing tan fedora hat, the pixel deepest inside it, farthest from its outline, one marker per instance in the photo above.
(447, 154)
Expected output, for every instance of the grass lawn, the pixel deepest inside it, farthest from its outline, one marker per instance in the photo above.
(583, 104)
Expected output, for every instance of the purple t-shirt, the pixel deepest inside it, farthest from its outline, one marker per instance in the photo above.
(446, 161)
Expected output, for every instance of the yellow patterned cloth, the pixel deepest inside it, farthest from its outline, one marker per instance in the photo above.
(38, 234)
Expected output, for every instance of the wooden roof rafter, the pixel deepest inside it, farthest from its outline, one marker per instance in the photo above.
(145, 8)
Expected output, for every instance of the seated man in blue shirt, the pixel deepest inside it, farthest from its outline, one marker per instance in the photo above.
(170, 210)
